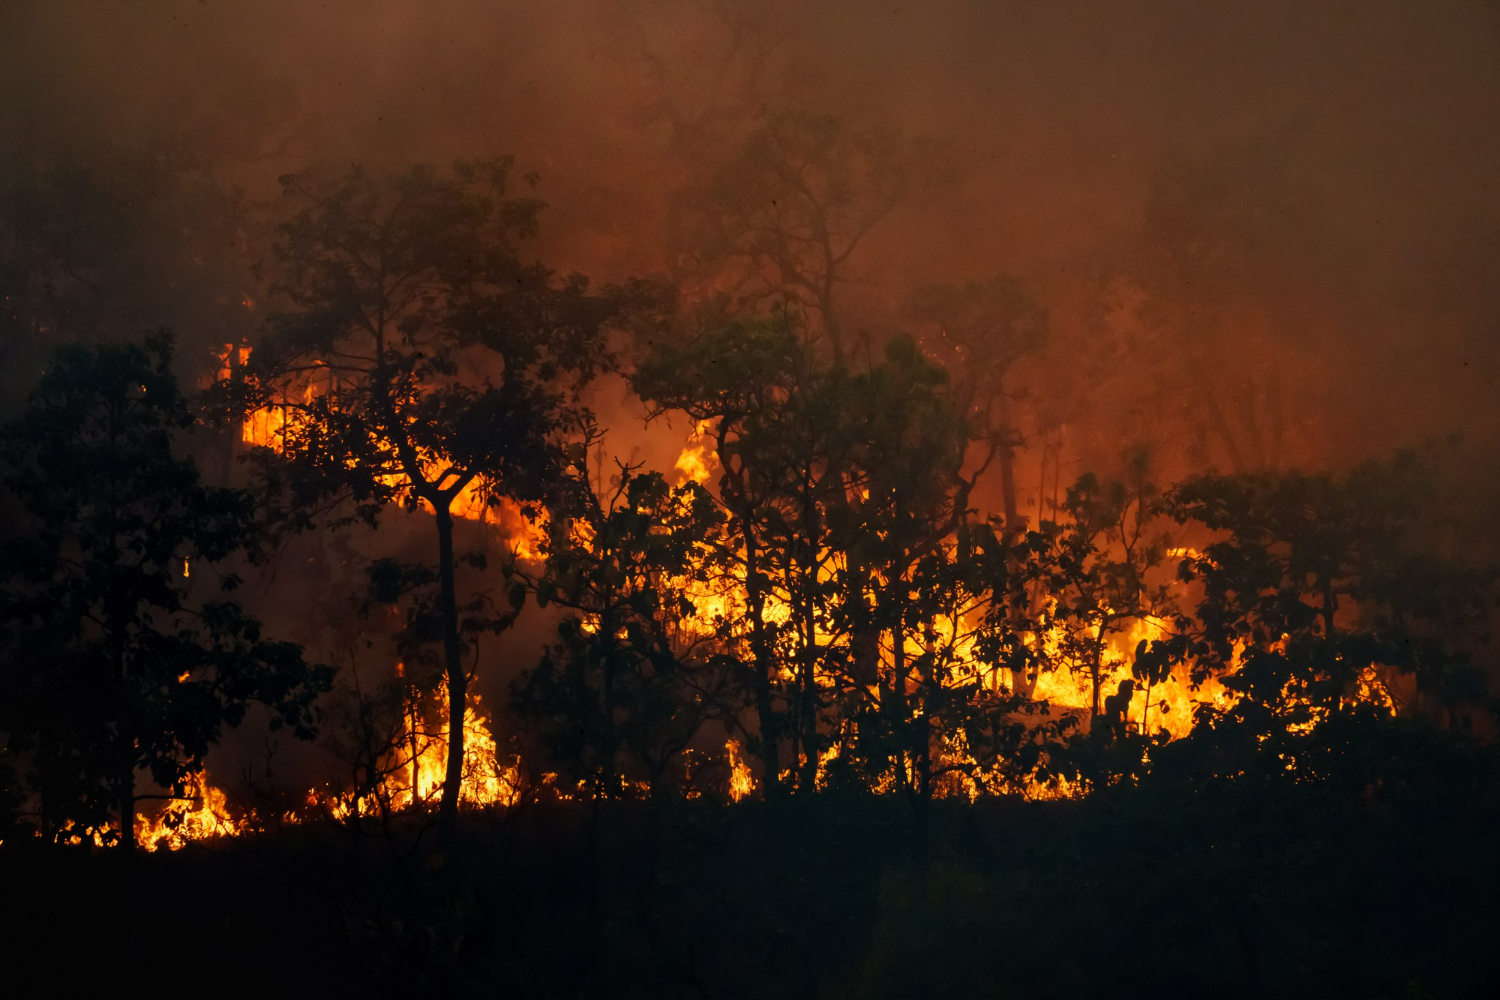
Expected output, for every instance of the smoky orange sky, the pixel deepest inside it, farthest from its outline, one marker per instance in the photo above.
(1283, 200)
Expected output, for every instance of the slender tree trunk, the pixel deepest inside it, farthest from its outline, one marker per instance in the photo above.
(457, 680)
(770, 734)
(126, 735)
(610, 784)
(1095, 667)
(808, 710)
(1329, 609)
(1007, 458)
(1220, 423)
(807, 624)
(864, 631)
(127, 810)
(922, 755)
(412, 721)
(830, 322)
(896, 711)
(605, 820)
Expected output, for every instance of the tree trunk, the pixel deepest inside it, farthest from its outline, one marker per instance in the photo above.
(1007, 458)
(805, 616)
(457, 680)
(1095, 666)
(770, 734)
(126, 733)
(127, 810)
(610, 784)
(808, 708)
(896, 711)
(864, 631)
(1220, 423)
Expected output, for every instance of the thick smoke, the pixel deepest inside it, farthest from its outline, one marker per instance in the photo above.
(1305, 191)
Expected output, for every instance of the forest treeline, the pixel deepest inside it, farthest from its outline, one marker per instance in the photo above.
(817, 601)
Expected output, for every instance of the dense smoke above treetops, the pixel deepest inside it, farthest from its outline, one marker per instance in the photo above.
(1261, 235)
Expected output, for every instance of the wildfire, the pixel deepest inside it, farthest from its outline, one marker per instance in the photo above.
(201, 814)
(741, 781)
(1168, 706)
(696, 461)
(412, 772)
(412, 780)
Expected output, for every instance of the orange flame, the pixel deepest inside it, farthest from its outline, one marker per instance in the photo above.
(202, 815)
(741, 781)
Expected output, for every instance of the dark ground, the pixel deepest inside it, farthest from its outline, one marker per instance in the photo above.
(1225, 892)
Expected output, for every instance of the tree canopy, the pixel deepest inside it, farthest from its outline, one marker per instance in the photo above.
(118, 658)
(422, 361)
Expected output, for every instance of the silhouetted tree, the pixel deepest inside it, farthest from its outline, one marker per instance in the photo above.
(981, 331)
(1320, 602)
(1101, 583)
(781, 429)
(903, 601)
(844, 490)
(634, 675)
(115, 660)
(784, 217)
(423, 361)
